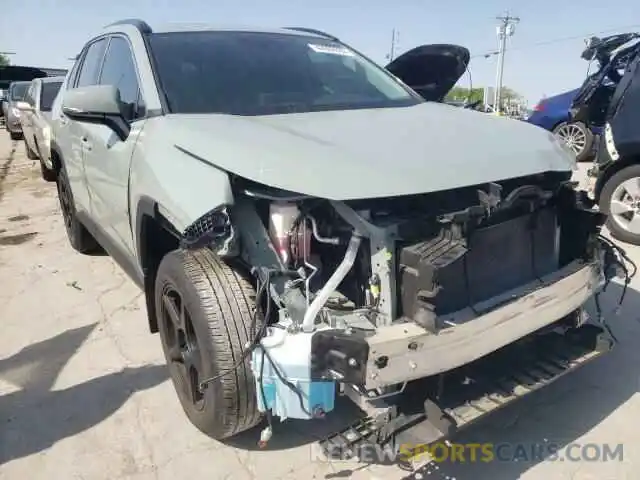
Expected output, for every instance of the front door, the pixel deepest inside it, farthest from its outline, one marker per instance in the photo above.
(107, 158)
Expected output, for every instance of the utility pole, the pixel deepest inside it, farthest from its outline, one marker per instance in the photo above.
(395, 36)
(506, 28)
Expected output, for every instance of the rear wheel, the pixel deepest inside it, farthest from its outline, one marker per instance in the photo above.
(48, 175)
(205, 312)
(79, 237)
(620, 200)
(578, 137)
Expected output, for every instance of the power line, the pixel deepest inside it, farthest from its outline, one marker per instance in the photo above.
(556, 40)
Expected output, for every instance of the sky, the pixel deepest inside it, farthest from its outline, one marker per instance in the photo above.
(542, 58)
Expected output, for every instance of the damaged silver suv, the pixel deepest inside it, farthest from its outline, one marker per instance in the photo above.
(306, 225)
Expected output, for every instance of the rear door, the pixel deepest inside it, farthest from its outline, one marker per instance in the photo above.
(107, 157)
(27, 117)
(71, 135)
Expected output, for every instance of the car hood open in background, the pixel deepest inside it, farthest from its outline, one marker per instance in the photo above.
(605, 46)
(367, 153)
(431, 70)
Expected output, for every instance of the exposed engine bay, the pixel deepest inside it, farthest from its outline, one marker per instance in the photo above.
(363, 297)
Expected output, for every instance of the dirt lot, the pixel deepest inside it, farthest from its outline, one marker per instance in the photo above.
(84, 392)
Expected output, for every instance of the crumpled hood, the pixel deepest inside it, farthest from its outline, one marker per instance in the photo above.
(359, 154)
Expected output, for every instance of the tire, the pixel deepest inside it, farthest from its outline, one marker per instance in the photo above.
(79, 237)
(219, 305)
(31, 155)
(47, 174)
(581, 134)
(15, 135)
(615, 221)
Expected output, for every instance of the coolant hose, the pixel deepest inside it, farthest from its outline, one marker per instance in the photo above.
(331, 285)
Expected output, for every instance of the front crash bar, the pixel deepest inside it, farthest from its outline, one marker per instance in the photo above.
(405, 351)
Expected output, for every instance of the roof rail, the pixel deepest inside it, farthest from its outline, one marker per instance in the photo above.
(139, 24)
(314, 32)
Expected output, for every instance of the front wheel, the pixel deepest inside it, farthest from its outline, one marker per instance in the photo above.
(31, 155)
(620, 200)
(577, 137)
(205, 310)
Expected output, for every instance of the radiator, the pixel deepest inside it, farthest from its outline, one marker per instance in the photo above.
(445, 274)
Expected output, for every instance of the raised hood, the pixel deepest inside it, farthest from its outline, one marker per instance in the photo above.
(431, 70)
(369, 153)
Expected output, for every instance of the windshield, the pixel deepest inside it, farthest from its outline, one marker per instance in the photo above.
(48, 95)
(254, 73)
(18, 91)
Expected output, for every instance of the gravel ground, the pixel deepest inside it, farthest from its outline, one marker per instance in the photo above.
(84, 393)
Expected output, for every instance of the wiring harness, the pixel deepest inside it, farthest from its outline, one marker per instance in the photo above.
(615, 257)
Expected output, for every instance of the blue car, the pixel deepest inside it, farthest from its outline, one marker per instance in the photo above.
(552, 113)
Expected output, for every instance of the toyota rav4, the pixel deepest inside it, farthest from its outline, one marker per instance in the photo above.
(306, 224)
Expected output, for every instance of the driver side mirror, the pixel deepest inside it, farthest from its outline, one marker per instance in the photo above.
(24, 106)
(98, 104)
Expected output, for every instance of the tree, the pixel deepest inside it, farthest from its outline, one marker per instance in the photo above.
(461, 94)
(510, 96)
(4, 60)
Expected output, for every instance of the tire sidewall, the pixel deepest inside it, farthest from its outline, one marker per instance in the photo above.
(619, 233)
(47, 174)
(31, 155)
(72, 231)
(171, 271)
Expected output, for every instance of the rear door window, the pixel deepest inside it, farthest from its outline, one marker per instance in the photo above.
(73, 74)
(91, 63)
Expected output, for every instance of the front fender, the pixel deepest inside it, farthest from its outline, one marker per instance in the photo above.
(168, 183)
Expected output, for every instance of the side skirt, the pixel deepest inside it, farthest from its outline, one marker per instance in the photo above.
(115, 252)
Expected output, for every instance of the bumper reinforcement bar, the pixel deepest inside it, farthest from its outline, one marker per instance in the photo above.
(473, 391)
